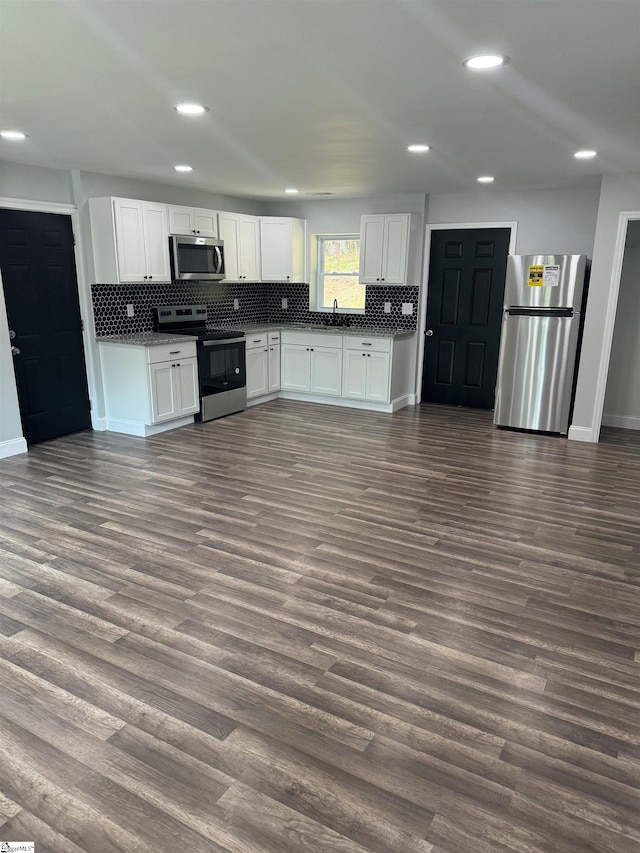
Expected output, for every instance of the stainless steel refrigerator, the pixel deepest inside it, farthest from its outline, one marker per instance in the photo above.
(541, 331)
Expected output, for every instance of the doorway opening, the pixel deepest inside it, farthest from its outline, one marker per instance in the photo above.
(621, 402)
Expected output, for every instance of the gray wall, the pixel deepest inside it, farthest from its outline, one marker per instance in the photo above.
(622, 398)
(549, 221)
(94, 185)
(33, 183)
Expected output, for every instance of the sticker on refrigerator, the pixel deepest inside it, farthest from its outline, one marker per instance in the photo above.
(551, 275)
(544, 275)
(536, 273)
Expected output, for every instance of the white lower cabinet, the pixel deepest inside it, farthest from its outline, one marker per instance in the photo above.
(274, 362)
(366, 372)
(174, 389)
(149, 389)
(263, 364)
(312, 363)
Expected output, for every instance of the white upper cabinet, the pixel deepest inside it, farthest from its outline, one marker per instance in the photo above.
(281, 248)
(241, 236)
(384, 248)
(193, 220)
(130, 240)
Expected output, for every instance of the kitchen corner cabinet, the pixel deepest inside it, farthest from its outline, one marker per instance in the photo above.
(149, 388)
(263, 364)
(384, 248)
(241, 236)
(311, 363)
(130, 240)
(282, 249)
(366, 371)
(193, 220)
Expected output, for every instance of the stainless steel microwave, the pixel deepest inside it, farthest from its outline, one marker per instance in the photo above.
(196, 258)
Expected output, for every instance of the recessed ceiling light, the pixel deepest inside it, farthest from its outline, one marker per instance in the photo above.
(291, 190)
(585, 154)
(13, 134)
(191, 109)
(486, 179)
(184, 168)
(485, 60)
(418, 148)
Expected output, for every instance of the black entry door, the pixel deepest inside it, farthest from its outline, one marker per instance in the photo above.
(464, 315)
(41, 293)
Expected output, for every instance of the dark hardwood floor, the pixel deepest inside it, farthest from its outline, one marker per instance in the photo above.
(304, 628)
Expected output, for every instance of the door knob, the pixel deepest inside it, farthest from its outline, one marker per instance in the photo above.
(12, 334)
(15, 350)
(429, 333)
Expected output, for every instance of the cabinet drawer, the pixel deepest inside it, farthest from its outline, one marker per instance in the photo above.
(308, 339)
(167, 352)
(368, 344)
(274, 337)
(256, 341)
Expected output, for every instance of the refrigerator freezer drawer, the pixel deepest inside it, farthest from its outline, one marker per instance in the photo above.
(536, 372)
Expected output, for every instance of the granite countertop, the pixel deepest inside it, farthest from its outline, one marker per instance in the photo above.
(357, 331)
(151, 339)
(146, 339)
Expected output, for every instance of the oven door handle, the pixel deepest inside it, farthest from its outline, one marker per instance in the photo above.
(220, 343)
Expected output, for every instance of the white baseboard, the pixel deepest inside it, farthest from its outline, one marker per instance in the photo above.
(99, 424)
(401, 402)
(264, 398)
(144, 430)
(345, 402)
(583, 434)
(622, 421)
(12, 447)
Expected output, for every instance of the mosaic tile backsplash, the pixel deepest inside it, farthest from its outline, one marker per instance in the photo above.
(259, 303)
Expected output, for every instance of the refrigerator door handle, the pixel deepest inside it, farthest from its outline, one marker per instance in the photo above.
(521, 311)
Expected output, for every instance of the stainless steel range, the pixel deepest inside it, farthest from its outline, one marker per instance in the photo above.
(221, 358)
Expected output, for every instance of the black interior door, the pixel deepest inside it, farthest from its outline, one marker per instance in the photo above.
(464, 315)
(41, 293)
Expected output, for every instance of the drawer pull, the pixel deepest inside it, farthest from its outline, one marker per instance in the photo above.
(174, 352)
(367, 344)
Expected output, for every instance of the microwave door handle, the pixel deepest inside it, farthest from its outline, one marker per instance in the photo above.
(219, 254)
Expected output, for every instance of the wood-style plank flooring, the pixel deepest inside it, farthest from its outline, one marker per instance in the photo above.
(312, 629)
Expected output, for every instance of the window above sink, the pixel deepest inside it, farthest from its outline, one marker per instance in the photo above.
(338, 288)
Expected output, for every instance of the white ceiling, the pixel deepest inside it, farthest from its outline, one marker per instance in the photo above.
(323, 95)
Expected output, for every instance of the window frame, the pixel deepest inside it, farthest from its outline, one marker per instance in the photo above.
(320, 240)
